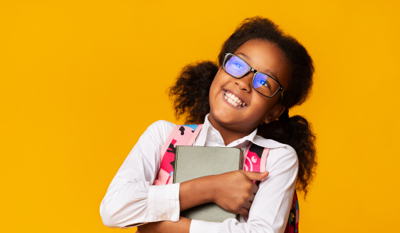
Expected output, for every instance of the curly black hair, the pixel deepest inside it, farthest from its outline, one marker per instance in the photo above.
(191, 92)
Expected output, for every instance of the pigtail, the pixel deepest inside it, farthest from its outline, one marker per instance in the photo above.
(191, 89)
(296, 132)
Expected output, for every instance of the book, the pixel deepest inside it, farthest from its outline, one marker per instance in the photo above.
(192, 162)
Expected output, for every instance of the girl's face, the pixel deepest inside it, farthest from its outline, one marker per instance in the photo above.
(252, 107)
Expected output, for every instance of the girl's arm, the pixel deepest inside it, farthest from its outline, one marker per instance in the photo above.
(234, 191)
(182, 226)
(269, 210)
(131, 199)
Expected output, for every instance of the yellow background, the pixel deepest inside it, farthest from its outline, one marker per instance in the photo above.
(81, 80)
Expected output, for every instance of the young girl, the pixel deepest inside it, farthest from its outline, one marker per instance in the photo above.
(245, 99)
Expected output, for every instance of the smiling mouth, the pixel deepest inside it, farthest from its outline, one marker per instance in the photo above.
(234, 100)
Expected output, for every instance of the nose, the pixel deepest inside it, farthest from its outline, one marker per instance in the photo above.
(245, 83)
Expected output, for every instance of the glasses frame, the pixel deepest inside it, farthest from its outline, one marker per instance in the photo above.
(255, 73)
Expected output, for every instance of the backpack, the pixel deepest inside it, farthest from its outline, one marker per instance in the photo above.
(255, 159)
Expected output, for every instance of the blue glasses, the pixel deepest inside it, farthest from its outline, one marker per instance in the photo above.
(263, 83)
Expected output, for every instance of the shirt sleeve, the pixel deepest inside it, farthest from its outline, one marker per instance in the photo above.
(131, 199)
(270, 209)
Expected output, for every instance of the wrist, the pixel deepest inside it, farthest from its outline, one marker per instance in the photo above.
(196, 192)
(208, 188)
(212, 185)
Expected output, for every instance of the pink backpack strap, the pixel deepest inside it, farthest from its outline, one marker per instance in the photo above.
(182, 135)
(255, 160)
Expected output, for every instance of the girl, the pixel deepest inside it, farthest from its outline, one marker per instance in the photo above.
(261, 74)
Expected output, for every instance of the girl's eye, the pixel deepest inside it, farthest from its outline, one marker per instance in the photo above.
(264, 83)
(236, 67)
(261, 81)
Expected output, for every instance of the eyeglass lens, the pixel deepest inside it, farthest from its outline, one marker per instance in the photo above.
(238, 68)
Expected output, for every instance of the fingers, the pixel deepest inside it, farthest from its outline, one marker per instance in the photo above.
(264, 175)
(244, 212)
(247, 204)
(255, 175)
(245, 209)
(254, 190)
(237, 192)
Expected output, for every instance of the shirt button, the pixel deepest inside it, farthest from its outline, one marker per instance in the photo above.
(214, 138)
(164, 216)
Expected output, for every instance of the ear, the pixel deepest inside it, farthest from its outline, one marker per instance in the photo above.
(274, 113)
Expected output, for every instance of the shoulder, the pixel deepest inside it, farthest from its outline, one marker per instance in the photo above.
(158, 131)
(284, 154)
(279, 153)
(161, 127)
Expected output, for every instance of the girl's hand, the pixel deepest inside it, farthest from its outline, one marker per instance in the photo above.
(235, 191)
(232, 191)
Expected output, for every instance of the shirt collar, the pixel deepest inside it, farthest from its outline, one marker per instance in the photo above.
(209, 131)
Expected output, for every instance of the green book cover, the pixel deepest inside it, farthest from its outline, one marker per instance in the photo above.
(197, 161)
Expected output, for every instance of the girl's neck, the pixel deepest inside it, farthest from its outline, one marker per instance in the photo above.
(228, 135)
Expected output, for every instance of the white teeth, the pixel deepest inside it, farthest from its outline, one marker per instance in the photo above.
(234, 100)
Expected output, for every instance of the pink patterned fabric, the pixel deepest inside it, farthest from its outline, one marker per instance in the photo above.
(181, 135)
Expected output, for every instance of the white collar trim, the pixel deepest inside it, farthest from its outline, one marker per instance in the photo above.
(252, 137)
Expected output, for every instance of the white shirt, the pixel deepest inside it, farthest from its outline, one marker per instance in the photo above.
(131, 199)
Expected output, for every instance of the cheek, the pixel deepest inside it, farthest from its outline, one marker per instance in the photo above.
(264, 105)
(216, 84)
(214, 89)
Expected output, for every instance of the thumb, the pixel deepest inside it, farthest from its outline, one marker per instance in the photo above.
(256, 175)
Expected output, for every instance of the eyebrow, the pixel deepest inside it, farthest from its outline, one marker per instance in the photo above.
(244, 55)
(263, 71)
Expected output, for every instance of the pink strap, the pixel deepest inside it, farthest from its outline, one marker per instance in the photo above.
(173, 135)
(183, 135)
(194, 135)
(168, 141)
(263, 162)
(254, 163)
